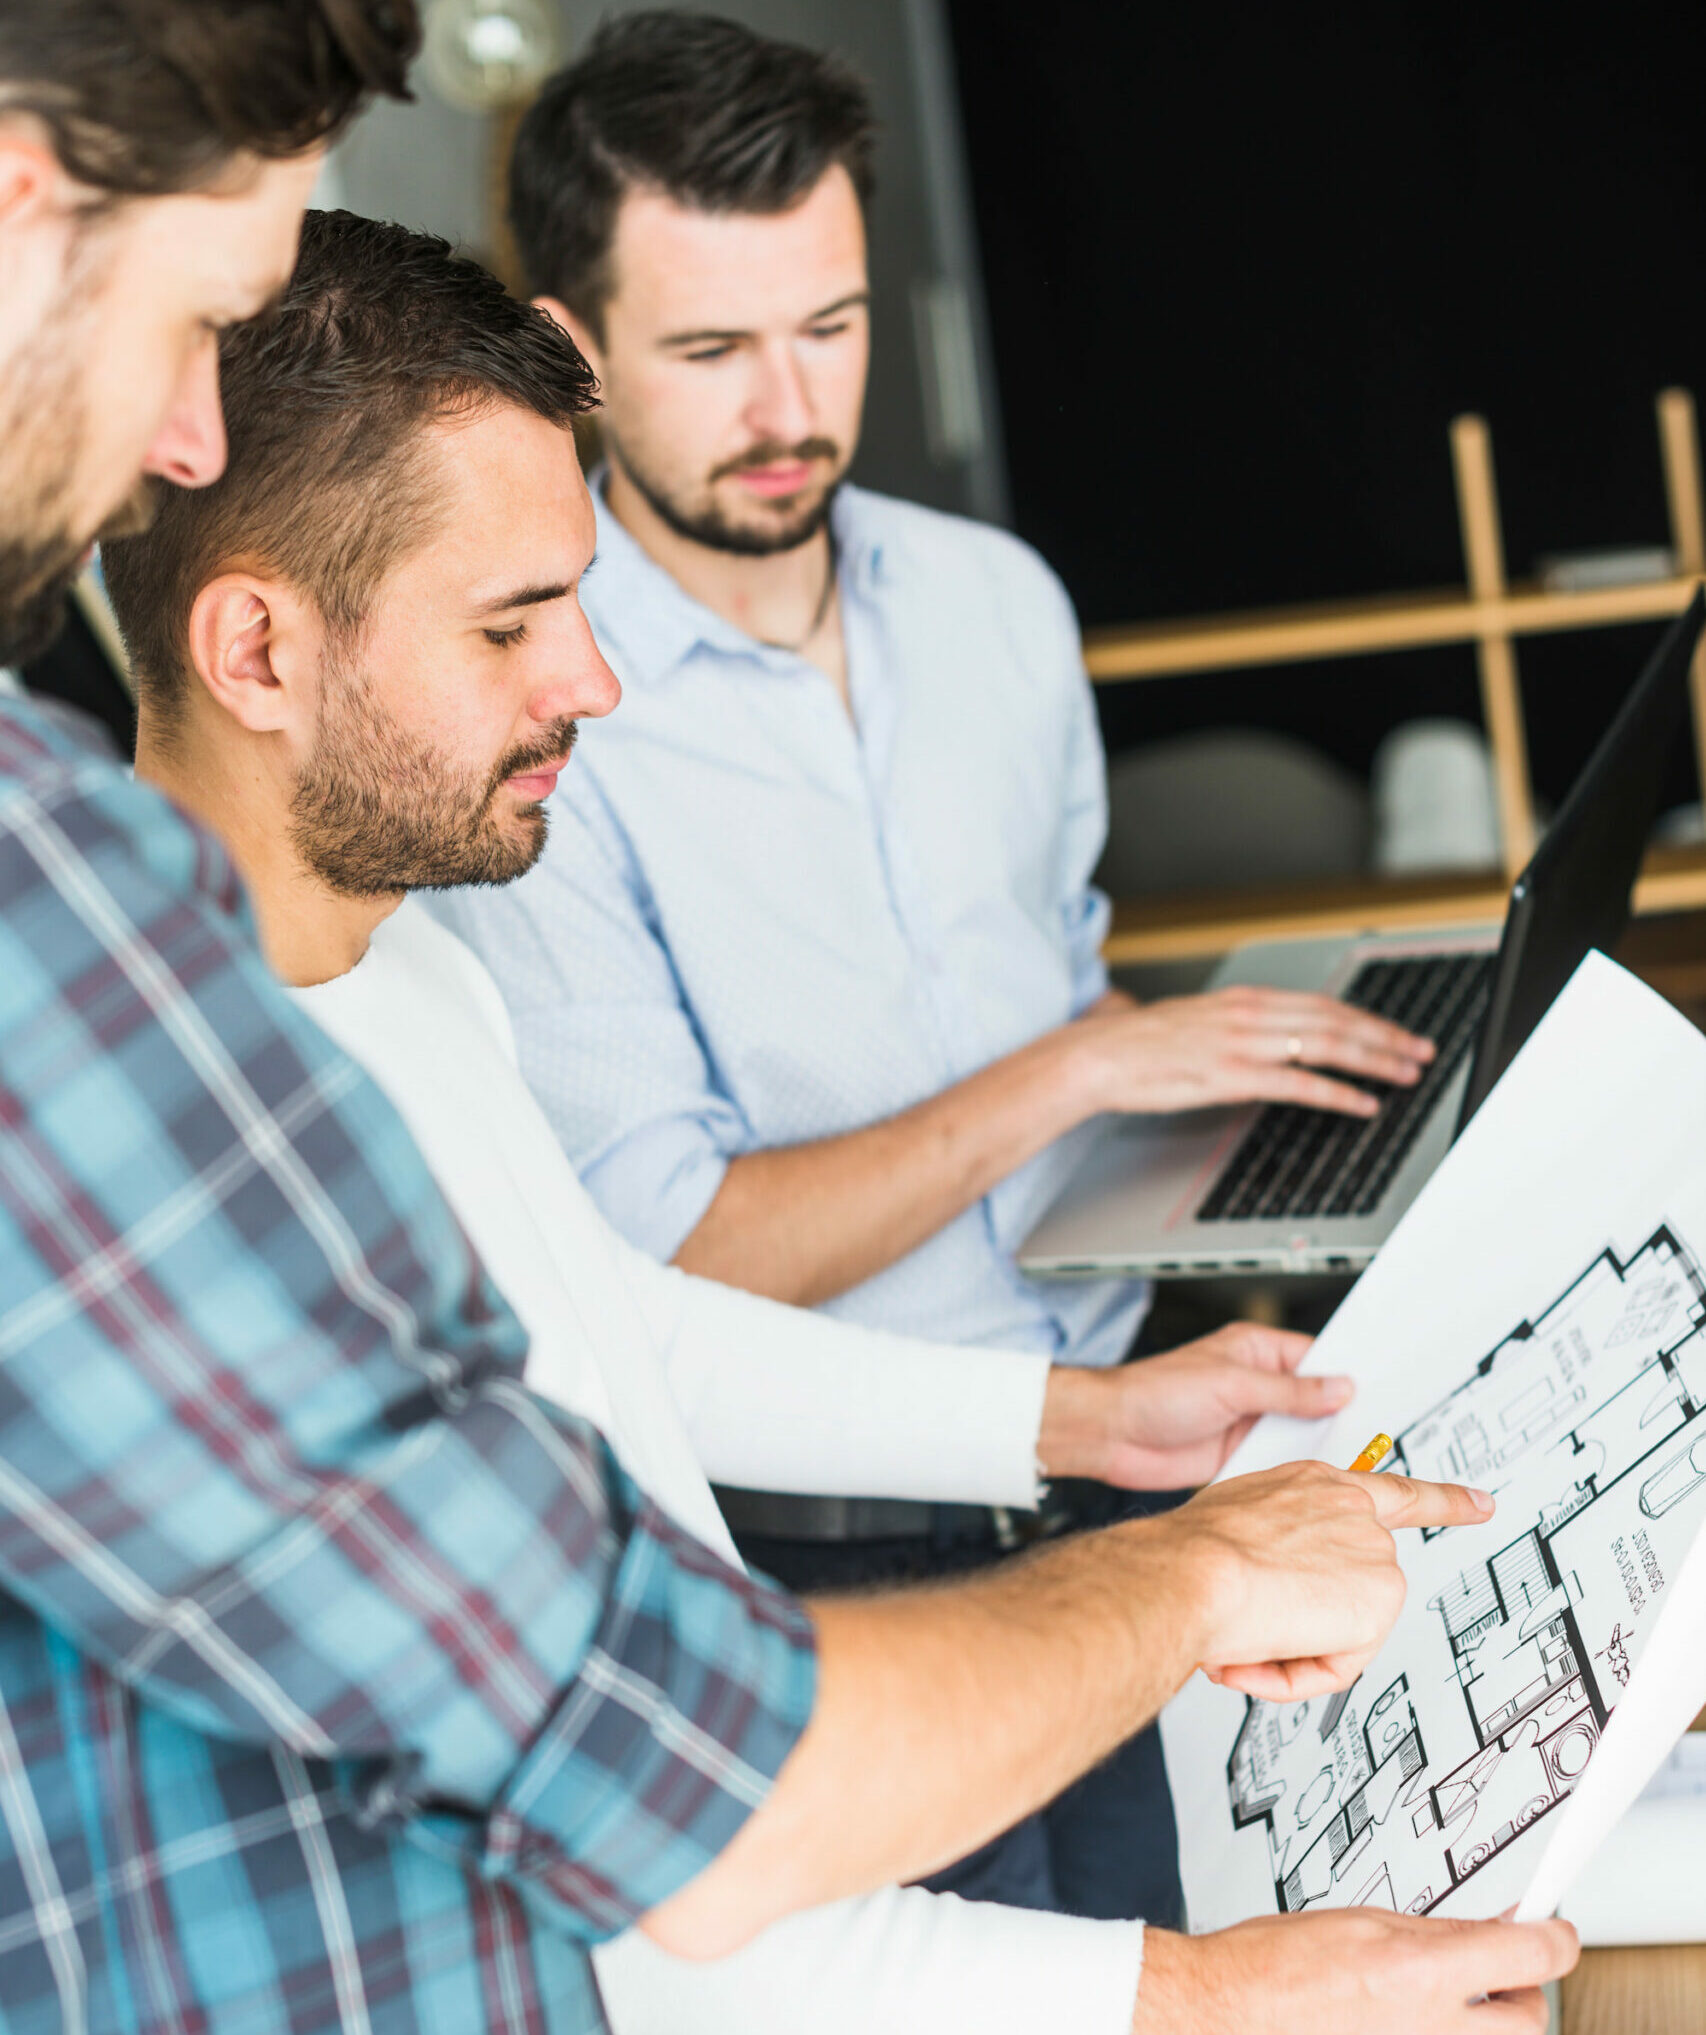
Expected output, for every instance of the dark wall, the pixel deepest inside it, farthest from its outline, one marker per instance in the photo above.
(1244, 264)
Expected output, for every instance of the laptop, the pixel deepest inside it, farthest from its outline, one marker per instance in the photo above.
(1279, 1188)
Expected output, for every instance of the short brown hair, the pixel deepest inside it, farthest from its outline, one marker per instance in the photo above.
(142, 97)
(380, 333)
(699, 108)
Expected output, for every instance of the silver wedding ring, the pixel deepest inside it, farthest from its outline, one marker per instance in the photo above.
(1294, 1049)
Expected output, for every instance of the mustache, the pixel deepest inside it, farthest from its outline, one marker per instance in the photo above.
(771, 451)
(559, 742)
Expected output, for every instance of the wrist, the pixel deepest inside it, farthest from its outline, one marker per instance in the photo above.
(1075, 1434)
(1203, 1573)
(1173, 1994)
(1083, 1075)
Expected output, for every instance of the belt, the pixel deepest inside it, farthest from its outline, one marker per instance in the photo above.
(779, 1515)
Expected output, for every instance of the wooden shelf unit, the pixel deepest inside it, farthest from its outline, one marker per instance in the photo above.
(1490, 614)
(1192, 925)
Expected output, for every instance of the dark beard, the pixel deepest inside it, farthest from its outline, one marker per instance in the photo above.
(711, 528)
(42, 431)
(376, 812)
(36, 579)
(32, 603)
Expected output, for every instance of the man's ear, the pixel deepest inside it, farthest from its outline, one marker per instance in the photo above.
(31, 180)
(560, 314)
(246, 641)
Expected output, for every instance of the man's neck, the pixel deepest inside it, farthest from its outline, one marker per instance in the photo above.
(774, 598)
(310, 933)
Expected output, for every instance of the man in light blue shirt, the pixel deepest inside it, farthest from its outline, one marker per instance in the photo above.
(808, 978)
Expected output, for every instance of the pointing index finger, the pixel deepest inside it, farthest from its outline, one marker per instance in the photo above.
(1408, 1501)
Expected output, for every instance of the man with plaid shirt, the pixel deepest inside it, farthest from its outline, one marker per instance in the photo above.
(292, 1561)
(288, 1559)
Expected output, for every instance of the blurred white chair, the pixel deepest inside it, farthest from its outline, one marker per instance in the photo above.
(1434, 802)
(1229, 808)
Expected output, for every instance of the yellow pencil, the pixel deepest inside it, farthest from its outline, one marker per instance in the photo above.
(1374, 1455)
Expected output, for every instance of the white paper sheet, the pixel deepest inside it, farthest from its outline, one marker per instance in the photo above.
(1647, 1881)
(1537, 1326)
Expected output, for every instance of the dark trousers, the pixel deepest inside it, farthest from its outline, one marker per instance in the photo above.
(1107, 1847)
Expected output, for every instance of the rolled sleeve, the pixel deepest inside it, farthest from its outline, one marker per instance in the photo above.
(1085, 913)
(683, 1708)
(656, 1181)
(1087, 918)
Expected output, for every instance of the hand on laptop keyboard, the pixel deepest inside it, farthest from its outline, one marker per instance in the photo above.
(1295, 1162)
(1241, 1045)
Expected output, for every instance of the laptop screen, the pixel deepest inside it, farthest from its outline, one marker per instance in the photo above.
(1575, 893)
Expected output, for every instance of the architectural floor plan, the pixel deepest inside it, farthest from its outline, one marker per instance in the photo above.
(1588, 1422)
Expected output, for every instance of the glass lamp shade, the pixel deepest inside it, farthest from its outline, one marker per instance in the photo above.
(486, 54)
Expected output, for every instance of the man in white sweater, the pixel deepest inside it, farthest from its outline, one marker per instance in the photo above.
(363, 669)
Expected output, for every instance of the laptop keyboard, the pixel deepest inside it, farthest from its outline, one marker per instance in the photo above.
(1312, 1162)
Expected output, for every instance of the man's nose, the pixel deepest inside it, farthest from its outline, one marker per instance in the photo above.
(781, 406)
(586, 689)
(189, 448)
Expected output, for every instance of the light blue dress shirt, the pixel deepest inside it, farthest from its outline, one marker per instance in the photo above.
(759, 922)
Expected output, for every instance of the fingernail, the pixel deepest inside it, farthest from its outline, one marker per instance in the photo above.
(1482, 1498)
(1338, 1390)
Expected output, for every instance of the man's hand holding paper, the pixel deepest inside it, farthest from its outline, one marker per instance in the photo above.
(1347, 1973)
(1169, 1422)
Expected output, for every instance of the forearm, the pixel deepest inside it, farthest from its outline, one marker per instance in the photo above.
(803, 1223)
(943, 1716)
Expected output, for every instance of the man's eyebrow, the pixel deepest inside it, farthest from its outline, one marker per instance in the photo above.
(525, 597)
(713, 335)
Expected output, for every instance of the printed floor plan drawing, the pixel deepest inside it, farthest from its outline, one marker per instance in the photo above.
(1590, 1425)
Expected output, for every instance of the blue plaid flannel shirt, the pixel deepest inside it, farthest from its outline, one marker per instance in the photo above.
(343, 1683)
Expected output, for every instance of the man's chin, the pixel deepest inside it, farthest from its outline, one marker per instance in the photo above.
(498, 856)
(35, 588)
(727, 518)
(763, 531)
(31, 626)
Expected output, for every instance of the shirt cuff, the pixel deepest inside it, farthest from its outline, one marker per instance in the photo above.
(904, 1961)
(656, 1183)
(977, 1416)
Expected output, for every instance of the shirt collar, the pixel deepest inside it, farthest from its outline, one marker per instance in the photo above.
(659, 625)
